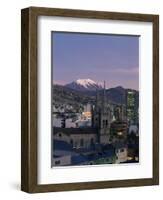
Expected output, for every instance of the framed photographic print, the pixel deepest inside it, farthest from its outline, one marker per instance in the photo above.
(90, 100)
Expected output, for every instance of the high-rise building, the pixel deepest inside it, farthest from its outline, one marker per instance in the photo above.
(132, 105)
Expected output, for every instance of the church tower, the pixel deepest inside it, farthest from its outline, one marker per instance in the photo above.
(101, 117)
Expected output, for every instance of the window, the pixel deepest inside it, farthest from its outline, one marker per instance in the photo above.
(92, 141)
(81, 143)
(72, 142)
(75, 144)
(122, 150)
(57, 162)
(103, 123)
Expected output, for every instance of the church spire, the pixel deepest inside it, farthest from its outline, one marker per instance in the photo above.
(104, 89)
(97, 99)
(104, 96)
(96, 95)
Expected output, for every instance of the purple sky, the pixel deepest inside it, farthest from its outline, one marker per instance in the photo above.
(113, 58)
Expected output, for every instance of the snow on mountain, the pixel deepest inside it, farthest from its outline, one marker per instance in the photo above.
(85, 82)
(84, 85)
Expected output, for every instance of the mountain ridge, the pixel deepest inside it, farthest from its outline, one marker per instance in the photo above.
(76, 98)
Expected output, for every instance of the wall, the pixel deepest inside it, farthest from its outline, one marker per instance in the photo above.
(10, 98)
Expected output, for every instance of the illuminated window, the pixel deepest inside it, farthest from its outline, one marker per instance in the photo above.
(120, 133)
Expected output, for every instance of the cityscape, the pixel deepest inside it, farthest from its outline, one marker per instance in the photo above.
(92, 123)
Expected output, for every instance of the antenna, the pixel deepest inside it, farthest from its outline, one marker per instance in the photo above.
(97, 96)
(104, 85)
(104, 90)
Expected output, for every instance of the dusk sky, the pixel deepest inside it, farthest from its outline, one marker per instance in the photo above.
(113, 58)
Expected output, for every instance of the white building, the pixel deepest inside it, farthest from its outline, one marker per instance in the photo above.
(121, 153)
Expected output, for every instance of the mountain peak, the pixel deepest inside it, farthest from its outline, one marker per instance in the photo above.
(84, 84)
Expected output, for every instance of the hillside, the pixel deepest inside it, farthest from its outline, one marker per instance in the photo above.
(71, 99)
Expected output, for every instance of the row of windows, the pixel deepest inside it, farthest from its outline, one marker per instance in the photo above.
(81, 142)
(105, 123)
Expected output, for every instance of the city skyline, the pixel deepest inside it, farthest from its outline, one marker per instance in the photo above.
(113, 58)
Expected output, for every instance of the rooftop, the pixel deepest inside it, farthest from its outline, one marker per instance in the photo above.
(75, 130)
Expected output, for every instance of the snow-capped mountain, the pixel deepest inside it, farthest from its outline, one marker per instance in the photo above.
(84, 85)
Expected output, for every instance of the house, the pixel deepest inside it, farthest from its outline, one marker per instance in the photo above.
(121, 152)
